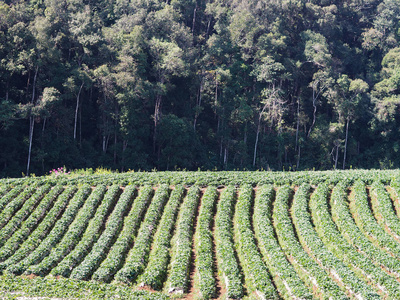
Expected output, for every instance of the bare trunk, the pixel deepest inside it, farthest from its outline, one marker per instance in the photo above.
(7, 87)
(314, 112)
(298, 123)
(226, 157)
(44, 125)
(157, 114)
(337, 155)
(220, 148)
(345, 144)
(156, 119)
(76, 109)
(298, 158)
(31, 122)
(194, 19)
(198, 105)
(80, 128)
(124, 146)
(115, 145)
(208, 28)
(31, 127)
(256, 143)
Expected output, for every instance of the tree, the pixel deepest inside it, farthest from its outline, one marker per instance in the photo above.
(346, 96)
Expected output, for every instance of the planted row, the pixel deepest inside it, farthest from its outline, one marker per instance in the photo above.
(367, 222)
(156, 272)
(205, 280)
(72, 236)
(22, 214)
(39, 234)
(307, 268)
(30, 224)
(116, 256)
(330, 235)
(69, 262)
(383, 209)
(256, 273)
(10, 195)
(138, 256)
(227, 262)
(310, 239)
(349, 230)
(103, 244)
(182, 243)
(55, 235)
(285, 277)
(13, 206)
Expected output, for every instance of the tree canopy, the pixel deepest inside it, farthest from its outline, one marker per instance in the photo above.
(199, 84)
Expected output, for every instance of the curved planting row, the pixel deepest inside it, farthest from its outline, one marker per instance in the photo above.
(256, 272)
(287, 281)
(205, 280)
(89, 237)
(116, 255)
(331, 241)
(182, 243)
(156, 271)
(138, 256)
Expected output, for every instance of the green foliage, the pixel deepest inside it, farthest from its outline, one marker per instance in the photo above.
(121, 85)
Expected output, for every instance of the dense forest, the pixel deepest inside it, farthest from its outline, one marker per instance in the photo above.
(199, 84)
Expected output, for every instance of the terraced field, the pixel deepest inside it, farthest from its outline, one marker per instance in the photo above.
(332, 238)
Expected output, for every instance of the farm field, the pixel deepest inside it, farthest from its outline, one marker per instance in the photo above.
(202, 235)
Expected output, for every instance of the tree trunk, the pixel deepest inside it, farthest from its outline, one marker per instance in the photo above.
(345, 143)
(31, 127)
(337, 155)
(198, 105)
(157, 112)
(315, 97)
(256, 143)
(31, 122)
(76, 109)
(298, 123)
(298, 159)
(124, 146)
(194, 19)
(156, 119)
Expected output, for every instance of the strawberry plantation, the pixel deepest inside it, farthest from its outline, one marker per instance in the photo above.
(202, 235)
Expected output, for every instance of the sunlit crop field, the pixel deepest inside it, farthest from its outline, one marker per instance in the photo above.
(203, 235)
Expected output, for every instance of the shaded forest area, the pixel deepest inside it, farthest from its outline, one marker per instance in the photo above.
(199, 84)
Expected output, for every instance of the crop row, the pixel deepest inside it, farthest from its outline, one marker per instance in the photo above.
(103, 244)
(310, 239)
(205, 178)
(336, 243)
(155, 273)
(366, 221)
(228, 264)
(308, 268)
(257, 277)
(117, 254)
(91, 234)
(182, 243)
(32, 242)
(285, 277)
(383, 209)
(138, 255)
(205, 280)
(13, 206)
(9, 195)
(30, 224)
(72, 236)
(55, 235)
(22, 213)
(349, 230)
